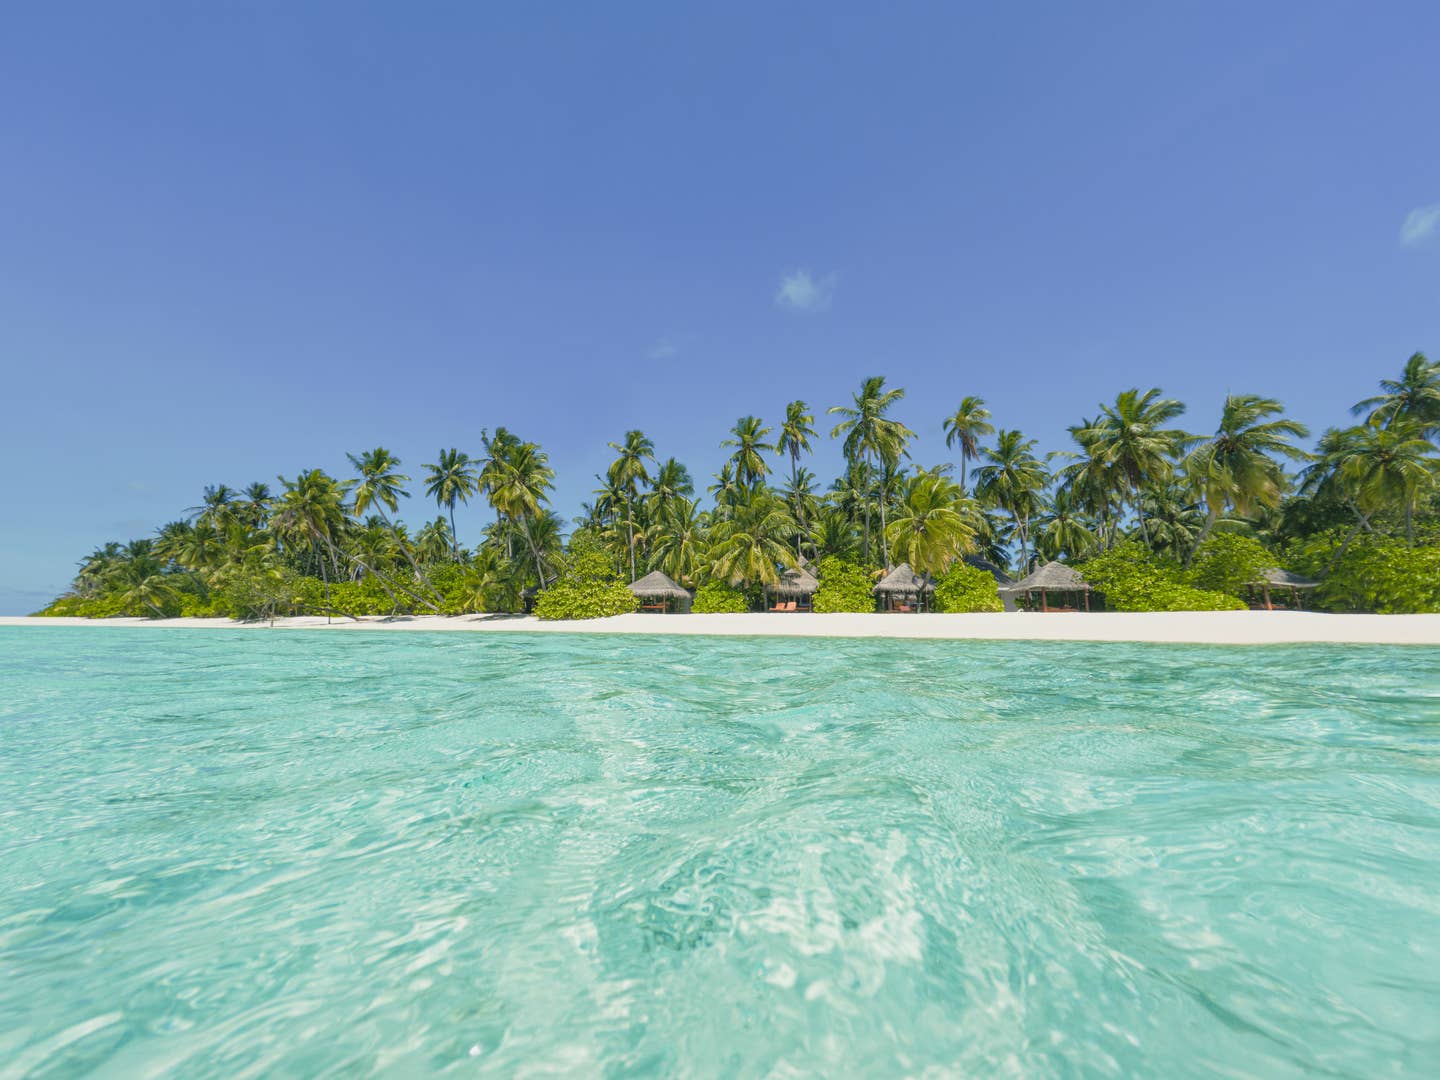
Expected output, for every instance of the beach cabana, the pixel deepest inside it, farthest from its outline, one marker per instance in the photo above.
(795, 591)
(1280, 580)
(903, 590)
(658, 593)
(1058, 579)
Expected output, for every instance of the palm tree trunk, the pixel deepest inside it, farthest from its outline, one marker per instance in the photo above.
(1140, 514)
(1409, 523)
(630, 526)
(1210, 517)
(409, 555)
(795, 490)
(454, 537)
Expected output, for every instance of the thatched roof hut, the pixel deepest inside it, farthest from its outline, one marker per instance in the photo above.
(903, 586)
(1284, 579)
(1275, 578)
(657, 592)
(796, 582)
(1053, 577)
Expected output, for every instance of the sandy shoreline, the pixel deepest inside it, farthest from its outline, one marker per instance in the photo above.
(1184, 627)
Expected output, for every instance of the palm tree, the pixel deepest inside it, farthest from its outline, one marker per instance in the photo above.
(1130, 437)
(1415, 396)
(311, 511)
(1061, 529)
(1012, 479)
(626, 473)
(1389, 466)
(381, 486)
(930, 529)
(218, 504)
(750, 447)
(796, 431)
(678, 540)
(256, 506)
(1236, 468)
(452, 479)
(804, 505)
(871, 436)
(434, 542)
(968, 426)
(1174, 519)
(522, 482)
(671, 484)
(750, 546)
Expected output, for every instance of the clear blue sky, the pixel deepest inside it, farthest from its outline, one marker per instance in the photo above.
(239, 243)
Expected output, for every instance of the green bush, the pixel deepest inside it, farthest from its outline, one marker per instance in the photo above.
(1382, 576)
(1131, 579)
(844, 586)
(1228, 562)
(95, 606)
(588, 588)
(715, 597)
(965, 588)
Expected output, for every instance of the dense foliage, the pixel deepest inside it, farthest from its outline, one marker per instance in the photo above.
(715, 597)
(844, 586)
(965, 588)
(1229, 563)
(1130, 578)
(1168, 517)
(588, 588)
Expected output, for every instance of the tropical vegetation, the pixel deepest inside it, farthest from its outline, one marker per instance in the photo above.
(1157, 516)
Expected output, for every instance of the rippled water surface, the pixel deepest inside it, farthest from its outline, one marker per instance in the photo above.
(230, 854)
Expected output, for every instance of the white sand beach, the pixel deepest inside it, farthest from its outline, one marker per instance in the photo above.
(1180, 627)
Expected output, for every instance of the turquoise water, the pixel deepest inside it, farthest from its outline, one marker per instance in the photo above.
(301, 854)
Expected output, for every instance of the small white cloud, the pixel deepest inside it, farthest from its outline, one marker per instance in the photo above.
(802, 291)
(664, 349)
(1420, 224)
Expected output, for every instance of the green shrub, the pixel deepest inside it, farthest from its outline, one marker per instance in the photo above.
(965, 588)
(844, 586)
(1131, 579)
(1383, 576)
(588, 588)
(1228, 562)
(715, 597)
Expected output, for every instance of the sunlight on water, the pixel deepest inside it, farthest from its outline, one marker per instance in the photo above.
(243, 854)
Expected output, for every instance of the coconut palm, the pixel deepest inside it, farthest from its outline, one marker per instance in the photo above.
(1389, 466)
(931, 529)
(678, 540)
(671, 484)
(1130, 436)
(1174, 519)
(435, 542)
(311, 513)
(1061, 529)
(255, 506)
(450, 480)
(750, 449)
(796, 431)
(1236, 468)
(969, 424)
(751, 545)
(804, 504)
(381, 486)
(627, 472)
(1414, 397)
(1012, 479)
(520, 486)
(872, 437)
(218, 503)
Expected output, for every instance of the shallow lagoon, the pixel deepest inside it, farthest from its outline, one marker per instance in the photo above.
(231, 854)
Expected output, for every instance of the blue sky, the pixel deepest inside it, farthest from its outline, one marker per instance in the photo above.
(240, 242)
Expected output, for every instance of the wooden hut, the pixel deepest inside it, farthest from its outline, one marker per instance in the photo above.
(1054, 578)
(795, 591)
(660, 594)
(903, 590)
(1279, 581)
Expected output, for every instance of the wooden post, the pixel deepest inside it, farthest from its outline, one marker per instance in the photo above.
(1044, 600)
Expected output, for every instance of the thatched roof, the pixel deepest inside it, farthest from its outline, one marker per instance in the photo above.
(795, 581)
(1276, 578)
(656, 584)
(1052, 577)
(1001, 578)
(902, 581)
